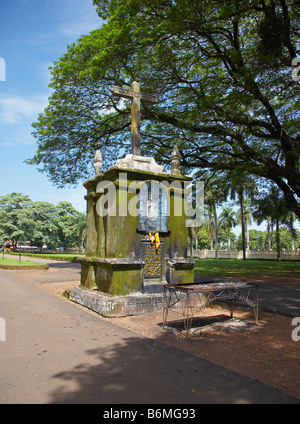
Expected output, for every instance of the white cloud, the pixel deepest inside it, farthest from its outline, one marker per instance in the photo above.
(15, 109)
(69, 19)
(16, 115)
(79, 18)
(76, 28)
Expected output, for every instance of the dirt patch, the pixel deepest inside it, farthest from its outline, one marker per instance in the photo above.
(24, 267)
(264, 352)
(58, 288)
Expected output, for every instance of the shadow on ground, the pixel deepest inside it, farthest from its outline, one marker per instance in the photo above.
(143, 371)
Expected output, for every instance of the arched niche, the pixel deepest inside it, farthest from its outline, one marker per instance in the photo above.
(153, 208)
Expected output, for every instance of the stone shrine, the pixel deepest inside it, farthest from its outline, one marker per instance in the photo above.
(136, 229)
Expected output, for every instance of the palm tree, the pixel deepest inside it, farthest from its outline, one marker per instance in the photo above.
(272, 206)
(291, 218)
(211, 200)
(209, 224)
(241, 185)
(228, 219)
(214, 196)
(269, 229)
(247, 219)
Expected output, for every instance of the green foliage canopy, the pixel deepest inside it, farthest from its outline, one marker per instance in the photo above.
(41, 223)
(222, 71)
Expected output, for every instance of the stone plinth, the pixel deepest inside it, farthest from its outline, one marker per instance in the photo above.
(116, 306)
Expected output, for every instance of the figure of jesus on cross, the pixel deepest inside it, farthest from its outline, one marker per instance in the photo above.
(136, 97)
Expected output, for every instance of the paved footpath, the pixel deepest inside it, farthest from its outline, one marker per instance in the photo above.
(56, 352)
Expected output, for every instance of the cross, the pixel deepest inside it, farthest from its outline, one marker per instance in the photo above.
(136, 97)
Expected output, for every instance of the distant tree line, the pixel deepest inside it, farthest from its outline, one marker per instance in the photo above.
(229, 203)
(44, 224)
(258, 240)
(40, 223)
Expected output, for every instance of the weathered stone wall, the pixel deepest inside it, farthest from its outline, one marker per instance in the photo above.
(116, 306)
(114, 261)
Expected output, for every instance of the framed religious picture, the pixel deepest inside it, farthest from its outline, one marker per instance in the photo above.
(153, 208)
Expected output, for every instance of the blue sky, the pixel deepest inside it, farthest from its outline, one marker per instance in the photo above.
(34, 33)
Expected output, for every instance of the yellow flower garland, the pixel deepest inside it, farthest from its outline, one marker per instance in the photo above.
(155, 239)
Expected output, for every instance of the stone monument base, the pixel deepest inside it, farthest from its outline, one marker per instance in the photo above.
(117, 306)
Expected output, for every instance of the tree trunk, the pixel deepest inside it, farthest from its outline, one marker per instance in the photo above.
(211, 240)
(278, 240)
(216, 232)
(240, 194)
(269, 234)
(229, 239)
(247, 236)
(293, 241)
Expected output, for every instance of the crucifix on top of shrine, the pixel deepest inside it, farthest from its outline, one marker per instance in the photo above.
(136, 97)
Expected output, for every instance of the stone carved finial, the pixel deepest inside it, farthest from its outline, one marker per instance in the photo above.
(98, 162)
(175, 161)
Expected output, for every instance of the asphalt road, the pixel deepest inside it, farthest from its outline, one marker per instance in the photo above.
(56, 352)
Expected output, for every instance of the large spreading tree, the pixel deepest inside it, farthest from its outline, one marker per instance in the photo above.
(222, 70)
(41, 223)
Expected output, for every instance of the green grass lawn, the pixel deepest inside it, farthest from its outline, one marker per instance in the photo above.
(207, 267)
(241, 269)
(16, 263)
(58, 256)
